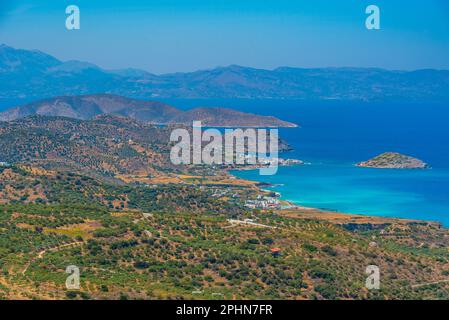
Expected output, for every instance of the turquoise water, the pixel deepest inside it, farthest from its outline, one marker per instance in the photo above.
(334, 136)
(416, 194)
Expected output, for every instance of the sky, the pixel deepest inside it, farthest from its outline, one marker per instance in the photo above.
(186, 35)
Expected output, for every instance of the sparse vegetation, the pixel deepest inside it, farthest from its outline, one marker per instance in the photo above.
(135, 240)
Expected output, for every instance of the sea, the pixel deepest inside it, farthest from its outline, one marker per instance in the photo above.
(334, 135)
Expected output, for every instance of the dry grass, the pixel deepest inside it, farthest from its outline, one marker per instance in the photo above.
(84, 230)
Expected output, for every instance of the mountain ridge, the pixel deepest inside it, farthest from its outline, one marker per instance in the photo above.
(87, 107)
(37, 75)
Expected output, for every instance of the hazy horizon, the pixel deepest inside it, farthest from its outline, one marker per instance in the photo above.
(183, 36)
(226, 66)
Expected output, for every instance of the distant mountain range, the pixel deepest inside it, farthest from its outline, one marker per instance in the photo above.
(33, 74)
(87, 107)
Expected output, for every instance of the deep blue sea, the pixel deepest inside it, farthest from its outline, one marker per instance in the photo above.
(334, 135)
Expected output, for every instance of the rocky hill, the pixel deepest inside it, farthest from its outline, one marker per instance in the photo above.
(222, 117)
(89, 106)
(393, 160)
(107, 145)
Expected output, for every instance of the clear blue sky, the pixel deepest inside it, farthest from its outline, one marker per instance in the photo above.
(185, 35)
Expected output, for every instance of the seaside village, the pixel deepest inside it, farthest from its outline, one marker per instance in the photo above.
(264, 202)
(270, 200)
(220, 185)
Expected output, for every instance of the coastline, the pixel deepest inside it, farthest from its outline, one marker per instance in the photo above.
(334, 216)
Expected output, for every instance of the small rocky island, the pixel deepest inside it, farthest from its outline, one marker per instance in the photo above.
(393, 160)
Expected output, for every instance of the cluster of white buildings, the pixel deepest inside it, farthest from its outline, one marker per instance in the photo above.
(263, 202)
(265, 161)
